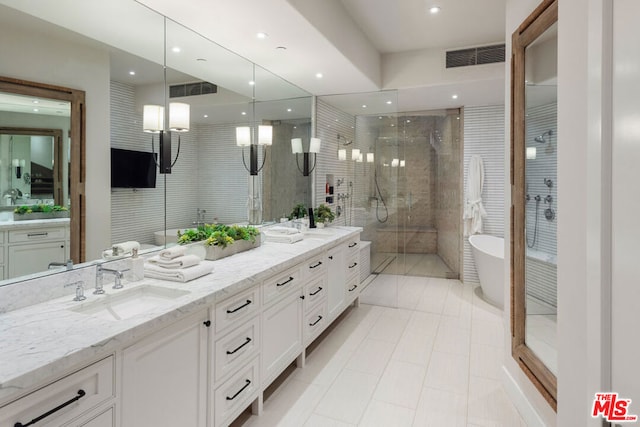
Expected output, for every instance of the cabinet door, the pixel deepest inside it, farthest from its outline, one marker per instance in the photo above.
(35, 257)
(282, 335)
(164, 376)
(336, 280)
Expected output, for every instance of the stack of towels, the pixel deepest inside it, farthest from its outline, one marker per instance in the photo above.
(174, 264)
(280, 234)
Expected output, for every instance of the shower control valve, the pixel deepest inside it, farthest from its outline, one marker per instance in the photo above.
(548, 199)
(548, 182)
(537, 198)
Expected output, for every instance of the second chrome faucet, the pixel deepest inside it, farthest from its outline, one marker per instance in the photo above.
(117, 283)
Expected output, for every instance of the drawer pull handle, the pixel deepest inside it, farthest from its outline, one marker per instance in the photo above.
(207, 323)
(316, 265)
(239, 391)
(44, 234)
(352, 245)
(316, 292)
(80, 394)
(353, 289)
(239, 308)
(285, 282)
(354, 264)
(330, 256)
(248, 340)
(316, 322)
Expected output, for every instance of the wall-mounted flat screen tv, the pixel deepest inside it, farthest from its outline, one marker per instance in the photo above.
(132, 169)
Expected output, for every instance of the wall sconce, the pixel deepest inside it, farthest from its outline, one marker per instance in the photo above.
(355, 154)
(402, 163)
(370, 157)
(243, 139)
(395, 163)
(18, 164)
(342, 154)
(153, 122)
(314, 147)
(531, 153)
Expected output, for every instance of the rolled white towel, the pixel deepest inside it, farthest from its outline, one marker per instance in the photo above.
(125, 247)
(173, 252)
(179, 274)
(183, 261)
(277, 229)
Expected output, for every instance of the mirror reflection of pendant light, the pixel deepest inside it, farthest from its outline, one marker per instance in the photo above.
(153, 122)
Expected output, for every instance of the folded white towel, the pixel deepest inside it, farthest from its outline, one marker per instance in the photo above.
(178, 262)
(283, 238)
(177, 275)
(126, 247)
(173, 252)
(282, 230)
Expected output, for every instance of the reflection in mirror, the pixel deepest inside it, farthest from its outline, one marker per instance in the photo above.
(534, 199)
(541, 198)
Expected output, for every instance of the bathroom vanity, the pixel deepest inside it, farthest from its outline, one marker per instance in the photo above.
(196, 353)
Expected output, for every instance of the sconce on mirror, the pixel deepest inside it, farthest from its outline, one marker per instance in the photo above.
(18, 164)
(314, 148)
(243, 139)
(153, 122)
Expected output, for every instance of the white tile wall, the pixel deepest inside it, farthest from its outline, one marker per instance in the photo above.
(484, 136)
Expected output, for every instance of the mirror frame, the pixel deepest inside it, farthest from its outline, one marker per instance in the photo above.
(543, 17)
(77, 151)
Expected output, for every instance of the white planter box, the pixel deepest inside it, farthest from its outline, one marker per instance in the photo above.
(217, 252)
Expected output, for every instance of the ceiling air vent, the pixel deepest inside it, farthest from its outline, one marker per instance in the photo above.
(192, 89)
(475, 56)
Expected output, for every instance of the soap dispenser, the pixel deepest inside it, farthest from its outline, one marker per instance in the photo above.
(136, 267)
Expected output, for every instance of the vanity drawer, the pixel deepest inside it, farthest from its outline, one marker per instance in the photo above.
(314, 292)
(353, 245)
(353, 266)
(236, 347)
(81, 391)
(37, 234)
(315, 322)
(353, 289)
(232, 397)
(280, 284)
(237, 309)
(314, 267)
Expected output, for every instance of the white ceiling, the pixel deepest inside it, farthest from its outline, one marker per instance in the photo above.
(398, 26)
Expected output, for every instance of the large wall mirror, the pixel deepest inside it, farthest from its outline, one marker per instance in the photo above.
(534, 200)
(148, 59)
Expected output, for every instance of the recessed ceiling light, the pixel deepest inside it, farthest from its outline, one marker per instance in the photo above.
(380, 117)
(201, 59)
(454, 96)
(244, 113)
(392, 125)
(364, 106)
(318, 75)
(206, 116)
(295, 127)
(281, 48)
(289, 110)
(35, 101)
(132, 73)
(408, 121)
(389, 102)
(434, 9)
(251, 83)
(457, 118)
(175, 49)
(36, 110)
(262, 36)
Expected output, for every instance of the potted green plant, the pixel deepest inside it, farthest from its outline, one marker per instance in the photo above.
(222, 240)
(299, 211)
(22, 213)
(323, 215)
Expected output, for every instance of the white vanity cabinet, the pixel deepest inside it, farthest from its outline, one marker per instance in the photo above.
(164, 376)
(30, 248)
(66, 401)
(281, 323)
(336, 277)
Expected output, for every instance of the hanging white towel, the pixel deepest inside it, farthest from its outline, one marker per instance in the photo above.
(473, 209)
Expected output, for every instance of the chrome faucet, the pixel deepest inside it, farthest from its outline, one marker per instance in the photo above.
(79, 290)
(68, 263)
(117, 274)
(200, 221)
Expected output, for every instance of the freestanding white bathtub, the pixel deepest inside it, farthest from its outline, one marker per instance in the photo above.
(488, 254)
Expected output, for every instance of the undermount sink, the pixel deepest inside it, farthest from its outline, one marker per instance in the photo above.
(129, 302)
(318, 233)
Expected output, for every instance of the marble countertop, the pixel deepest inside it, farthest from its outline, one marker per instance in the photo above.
(44, 341)
(14, 225)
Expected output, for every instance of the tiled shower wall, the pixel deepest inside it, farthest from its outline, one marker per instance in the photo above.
(541, 257)
(484, 136)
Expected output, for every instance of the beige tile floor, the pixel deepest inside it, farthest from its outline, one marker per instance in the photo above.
(433, 361)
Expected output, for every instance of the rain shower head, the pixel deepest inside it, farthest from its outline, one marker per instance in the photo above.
(346, 141)
(541, 139)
